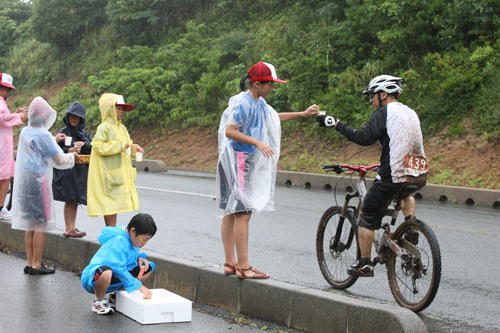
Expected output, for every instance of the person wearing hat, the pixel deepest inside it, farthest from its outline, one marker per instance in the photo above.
(249, 149)
(7, 122)
(111, 181)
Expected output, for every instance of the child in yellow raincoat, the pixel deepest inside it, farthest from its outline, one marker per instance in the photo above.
(111, 182)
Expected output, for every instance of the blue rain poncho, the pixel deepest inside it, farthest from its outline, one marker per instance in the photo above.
(117, 252)
(37, 154)
(246, 178)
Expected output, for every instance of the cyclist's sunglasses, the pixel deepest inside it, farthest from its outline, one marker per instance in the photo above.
(371, 95)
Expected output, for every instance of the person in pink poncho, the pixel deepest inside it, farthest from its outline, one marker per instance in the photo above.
(7, 122)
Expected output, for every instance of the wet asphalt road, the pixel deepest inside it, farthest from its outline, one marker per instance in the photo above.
(282, 244)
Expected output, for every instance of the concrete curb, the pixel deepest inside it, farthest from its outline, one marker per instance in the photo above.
(282, 303)
(462, 195)
(456, 194)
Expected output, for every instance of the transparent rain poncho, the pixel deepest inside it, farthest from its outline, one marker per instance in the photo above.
(246, 179)
(37, 154)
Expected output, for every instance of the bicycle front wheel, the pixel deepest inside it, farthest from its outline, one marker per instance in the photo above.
(414, 277)
(337, 247)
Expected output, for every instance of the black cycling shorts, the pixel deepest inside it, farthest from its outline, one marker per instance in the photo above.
(379, 197)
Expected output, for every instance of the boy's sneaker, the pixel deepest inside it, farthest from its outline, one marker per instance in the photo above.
(102, 307)
(112, 300)
(360, 270)
(5, 214)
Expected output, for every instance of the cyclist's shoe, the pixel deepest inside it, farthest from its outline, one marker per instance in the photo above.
(361, 269)
(102, 307)
(5, 214)
(411, 236)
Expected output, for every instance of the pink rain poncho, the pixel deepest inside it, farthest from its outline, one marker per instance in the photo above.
(37, 154)
(246, 179)
(7, 121)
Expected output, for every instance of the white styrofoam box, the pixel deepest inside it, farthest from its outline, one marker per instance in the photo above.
(163, 307)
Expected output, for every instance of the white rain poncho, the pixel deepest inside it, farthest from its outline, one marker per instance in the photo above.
(246, 179)
(37, 154)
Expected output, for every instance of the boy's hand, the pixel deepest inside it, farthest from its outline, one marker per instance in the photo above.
(143, 263)
(127, 145)
(146, 292)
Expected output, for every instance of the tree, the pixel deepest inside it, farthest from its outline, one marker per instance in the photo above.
(63, 23)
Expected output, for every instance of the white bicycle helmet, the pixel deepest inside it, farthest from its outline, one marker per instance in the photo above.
(389, 84)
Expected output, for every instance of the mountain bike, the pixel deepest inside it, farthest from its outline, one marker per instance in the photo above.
(411, 253)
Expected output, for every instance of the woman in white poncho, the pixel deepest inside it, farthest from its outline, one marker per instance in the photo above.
(249, 148)
(33, 206)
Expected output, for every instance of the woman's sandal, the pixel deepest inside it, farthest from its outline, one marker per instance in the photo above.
(257, 275)
(233, 269)
(82, 232)
(74, 233)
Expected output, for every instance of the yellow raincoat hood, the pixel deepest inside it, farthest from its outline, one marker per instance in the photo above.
(111, 181)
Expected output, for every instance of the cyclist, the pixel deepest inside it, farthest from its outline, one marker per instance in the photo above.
(397, 129)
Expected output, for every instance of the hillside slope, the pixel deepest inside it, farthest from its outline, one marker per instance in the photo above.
(468, 160)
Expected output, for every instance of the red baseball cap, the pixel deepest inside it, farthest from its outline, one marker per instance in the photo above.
(126, 107)
(6, 80)
(262, 72)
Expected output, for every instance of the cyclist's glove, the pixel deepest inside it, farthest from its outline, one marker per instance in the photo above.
(326, 121)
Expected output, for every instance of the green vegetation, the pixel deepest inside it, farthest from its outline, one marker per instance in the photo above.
(179, 61)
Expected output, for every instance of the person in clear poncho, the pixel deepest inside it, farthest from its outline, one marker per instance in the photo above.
(111, 182)
(7, 122)
(249, 148)
(33, 206)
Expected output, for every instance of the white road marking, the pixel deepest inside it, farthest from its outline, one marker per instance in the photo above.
(171, 191)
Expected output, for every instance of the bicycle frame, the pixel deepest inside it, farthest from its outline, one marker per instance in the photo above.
(384, 241)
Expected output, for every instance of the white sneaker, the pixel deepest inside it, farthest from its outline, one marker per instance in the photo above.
(5, 214)
(112, 300)
(102, 307)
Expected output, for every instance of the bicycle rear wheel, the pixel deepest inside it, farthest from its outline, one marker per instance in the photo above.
(337, 247)
(414, 280)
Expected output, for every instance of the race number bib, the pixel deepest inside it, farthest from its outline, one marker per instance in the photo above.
(416, 163)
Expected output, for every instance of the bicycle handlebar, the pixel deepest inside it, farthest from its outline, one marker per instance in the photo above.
(339, 168)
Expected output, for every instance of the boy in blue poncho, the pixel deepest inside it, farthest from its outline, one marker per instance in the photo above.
(118, 262)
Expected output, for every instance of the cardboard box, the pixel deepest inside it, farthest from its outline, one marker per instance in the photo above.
(163, 307)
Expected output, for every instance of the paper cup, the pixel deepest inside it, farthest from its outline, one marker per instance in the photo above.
(138, 156)
(322, 113)
(68, 141)
(128, 151)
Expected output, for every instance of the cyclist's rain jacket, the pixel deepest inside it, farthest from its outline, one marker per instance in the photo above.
(245, 176)
(119, 253)
(7, 121)
(111, 182)
(37, 154)
(397, 129)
